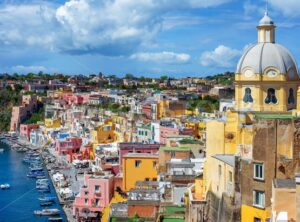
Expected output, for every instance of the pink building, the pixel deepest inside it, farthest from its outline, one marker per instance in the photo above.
(76, 99)
(166, 131)
(20, 113)
(68, 145)
(25, 130)
(93, 197)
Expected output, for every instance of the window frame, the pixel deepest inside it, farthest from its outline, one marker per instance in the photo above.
(248, 96)
(263, 200)
(255, 176)
(137, 163)
(271, 102)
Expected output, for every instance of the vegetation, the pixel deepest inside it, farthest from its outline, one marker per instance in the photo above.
(208, 104)
(8, 98)
(36, 117)
(226, 78)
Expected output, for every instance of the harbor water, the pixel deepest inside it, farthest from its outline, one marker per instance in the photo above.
(18, 203)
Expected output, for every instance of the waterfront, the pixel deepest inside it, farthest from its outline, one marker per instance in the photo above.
(19, 202)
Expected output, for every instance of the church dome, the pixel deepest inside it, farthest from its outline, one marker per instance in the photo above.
(261, 56)
(266, 20)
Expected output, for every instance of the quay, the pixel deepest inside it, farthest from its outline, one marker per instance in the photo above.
(51, 161)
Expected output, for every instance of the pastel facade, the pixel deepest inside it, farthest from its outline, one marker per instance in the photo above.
(20, 113)
(138, 167)
(105, 133)
(94, 196)
(25, 130)
(68, 145)
(52, 123)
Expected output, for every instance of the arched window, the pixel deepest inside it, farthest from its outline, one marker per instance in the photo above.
(291, 99)
(248, 97)
(271, 97)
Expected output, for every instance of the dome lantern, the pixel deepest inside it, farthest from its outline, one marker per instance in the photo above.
(266, 30)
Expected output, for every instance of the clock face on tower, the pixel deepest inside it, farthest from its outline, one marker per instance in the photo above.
(271, 73)
(248, 73)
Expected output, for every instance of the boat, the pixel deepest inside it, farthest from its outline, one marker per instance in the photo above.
(42, 182)
(36, 174)
(46, 212)
(44, 203)
(1, 150)
(40, 177)
(55, 219)
(47, 199)
(5, 186)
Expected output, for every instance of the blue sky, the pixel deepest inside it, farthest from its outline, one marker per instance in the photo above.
(144, 37)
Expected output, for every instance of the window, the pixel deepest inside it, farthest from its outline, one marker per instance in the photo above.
(86, 201)
(86, 193)
(258, 171)
(257, 219)
(97, 202)
(248, 97)
(220, 170)
(271, 97)
(259, 198)
(154, 164)
(137, 163)
(173, 154)
(291, 99)
(230, 177)
(97, 188)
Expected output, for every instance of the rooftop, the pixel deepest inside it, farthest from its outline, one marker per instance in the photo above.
(226, 158)
(141, 155)
(284, 183)
(174, 148)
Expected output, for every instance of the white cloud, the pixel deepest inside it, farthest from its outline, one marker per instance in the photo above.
(162, 57)
(27, 69)
(107, 27)
(222, 57)
(287, 7)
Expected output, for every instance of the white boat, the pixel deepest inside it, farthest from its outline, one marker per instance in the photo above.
(46, 212)
(5, 186)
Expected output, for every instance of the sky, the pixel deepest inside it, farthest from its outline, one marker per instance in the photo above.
(150, 38)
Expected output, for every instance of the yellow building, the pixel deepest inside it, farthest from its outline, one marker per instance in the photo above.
(104, 133)
(52, 123)
(121, 128)
(266, 84)
(199, 128)
(138, 167)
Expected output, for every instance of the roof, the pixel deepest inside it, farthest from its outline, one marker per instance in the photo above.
(141, 155)
(174, 148)
(266, 20)
(284, 183)
(226, 158)
(261, 56)
(275, 116)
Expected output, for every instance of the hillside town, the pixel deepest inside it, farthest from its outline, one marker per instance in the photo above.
(223, 148)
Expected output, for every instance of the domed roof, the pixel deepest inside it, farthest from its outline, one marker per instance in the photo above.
(266, 20)
(264, 55)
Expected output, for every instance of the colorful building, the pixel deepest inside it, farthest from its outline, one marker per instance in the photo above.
(138, 167)
(52, 123)
(25, 130)
(68, 145)
(93, 197)
(104, 133)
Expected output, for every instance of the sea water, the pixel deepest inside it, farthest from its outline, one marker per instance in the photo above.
(18, 203)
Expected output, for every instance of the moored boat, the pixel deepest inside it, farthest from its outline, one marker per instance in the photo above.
(55, 219)
(47, 198)
(5, 186)
(49, 203)
(47, 212)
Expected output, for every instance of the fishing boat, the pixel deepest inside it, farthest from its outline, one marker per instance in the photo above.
(43, 189)
(44, 203)
(40, 177)
(36, 174)
(5, 186)
(46, 212)
(42, 182)
(55, 219)
(47, 199)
